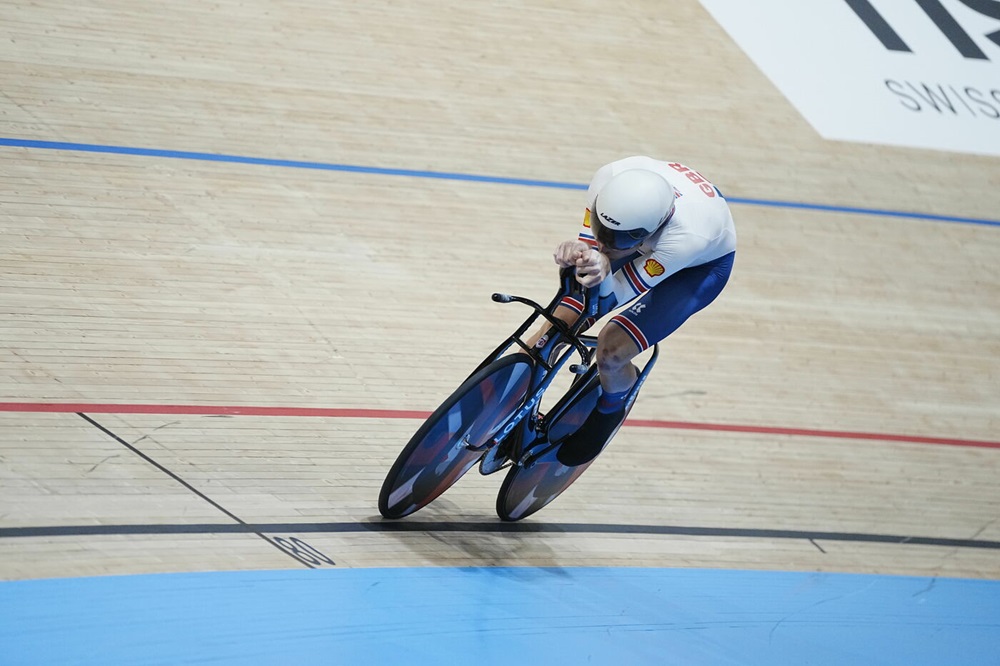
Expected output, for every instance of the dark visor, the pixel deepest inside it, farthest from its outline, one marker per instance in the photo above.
(622, 240)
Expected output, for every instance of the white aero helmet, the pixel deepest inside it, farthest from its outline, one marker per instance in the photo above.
(631, 206)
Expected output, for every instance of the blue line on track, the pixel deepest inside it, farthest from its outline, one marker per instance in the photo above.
(291, 164)
(445, 175)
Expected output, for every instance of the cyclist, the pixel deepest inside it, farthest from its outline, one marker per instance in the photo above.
(659, 237)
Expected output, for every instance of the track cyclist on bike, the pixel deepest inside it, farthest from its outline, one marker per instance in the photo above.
(659, 237)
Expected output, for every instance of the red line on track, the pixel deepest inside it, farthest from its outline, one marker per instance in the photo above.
(806, 432)
(209, 410)
(217, 410)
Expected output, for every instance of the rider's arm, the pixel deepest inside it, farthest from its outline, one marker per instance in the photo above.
(673, 252)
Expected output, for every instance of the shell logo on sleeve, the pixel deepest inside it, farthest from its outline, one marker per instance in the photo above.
(653, 268)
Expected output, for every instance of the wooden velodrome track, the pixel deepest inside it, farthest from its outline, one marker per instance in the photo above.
(835, 410)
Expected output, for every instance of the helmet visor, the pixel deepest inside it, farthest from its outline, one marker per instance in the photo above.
(620, 240)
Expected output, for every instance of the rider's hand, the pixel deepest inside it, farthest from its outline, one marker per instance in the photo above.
(591, 268)
(569, 252)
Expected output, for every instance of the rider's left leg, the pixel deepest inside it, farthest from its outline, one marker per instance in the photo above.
(615, 351)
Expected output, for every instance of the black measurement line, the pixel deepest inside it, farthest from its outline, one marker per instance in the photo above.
(496, 527)
(245, 527)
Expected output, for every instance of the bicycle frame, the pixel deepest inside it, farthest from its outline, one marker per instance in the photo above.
(544, 371)
(500, 403)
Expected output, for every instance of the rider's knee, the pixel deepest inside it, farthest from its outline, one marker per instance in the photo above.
(614, 350)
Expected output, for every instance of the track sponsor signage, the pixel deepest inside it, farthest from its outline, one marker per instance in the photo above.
(916, 73)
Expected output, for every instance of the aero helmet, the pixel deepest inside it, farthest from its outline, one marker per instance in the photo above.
(631, 206)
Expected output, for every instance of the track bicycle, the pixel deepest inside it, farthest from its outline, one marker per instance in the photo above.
(495, 417)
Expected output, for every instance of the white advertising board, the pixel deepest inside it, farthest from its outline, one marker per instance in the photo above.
(916, 73)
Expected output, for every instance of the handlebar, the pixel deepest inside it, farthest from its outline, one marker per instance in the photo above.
(568, 287)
